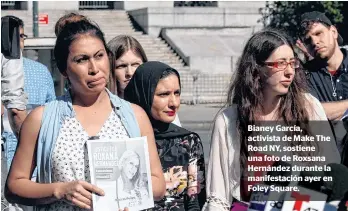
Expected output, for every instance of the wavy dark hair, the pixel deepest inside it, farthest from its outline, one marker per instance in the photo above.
(246, 89)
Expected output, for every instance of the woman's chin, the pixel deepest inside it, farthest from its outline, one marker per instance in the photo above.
(96, 89)
(168, 119)
(282, 91)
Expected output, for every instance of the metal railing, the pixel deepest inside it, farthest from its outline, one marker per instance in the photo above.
(94, 5)
(195, 3)
(201, 88)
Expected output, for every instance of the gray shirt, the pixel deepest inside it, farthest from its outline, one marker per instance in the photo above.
(12, 83)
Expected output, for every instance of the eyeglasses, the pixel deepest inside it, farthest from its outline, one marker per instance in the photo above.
(23, 36)
(282, 64)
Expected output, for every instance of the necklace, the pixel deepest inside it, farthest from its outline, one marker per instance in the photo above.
(333, 87)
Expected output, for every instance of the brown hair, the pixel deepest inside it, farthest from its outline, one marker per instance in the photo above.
(68, 18)
(75, 18)
(120, 45)
(70, 32)
(246, 91)
(306, 26)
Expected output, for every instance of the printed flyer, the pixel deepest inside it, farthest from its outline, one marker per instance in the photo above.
(122, 169)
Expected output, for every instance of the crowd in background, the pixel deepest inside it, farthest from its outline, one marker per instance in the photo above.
(114, 92)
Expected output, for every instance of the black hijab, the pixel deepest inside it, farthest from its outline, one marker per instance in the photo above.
(141, 89)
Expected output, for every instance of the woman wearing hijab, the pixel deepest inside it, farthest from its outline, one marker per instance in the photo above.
(127, 55)
(155, 87)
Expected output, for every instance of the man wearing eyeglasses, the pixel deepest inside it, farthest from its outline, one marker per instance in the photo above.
(38, 85)
(13, 97)
(328, 69)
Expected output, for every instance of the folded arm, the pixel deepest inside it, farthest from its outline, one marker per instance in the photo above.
(335, 110)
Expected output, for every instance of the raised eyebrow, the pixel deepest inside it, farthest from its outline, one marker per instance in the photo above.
(80, 55)
(86, 56)
(101, 50)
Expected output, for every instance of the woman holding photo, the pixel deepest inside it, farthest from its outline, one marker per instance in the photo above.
(268, 86)
(156, 87)
(53, 137)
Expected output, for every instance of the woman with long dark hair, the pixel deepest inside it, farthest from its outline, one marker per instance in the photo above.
(53, 137)
(269, 88)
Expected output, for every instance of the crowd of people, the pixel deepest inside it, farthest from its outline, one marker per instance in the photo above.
(114, 92)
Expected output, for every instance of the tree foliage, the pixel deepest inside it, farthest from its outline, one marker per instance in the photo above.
(286, 14)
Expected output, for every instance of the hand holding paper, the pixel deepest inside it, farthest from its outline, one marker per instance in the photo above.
(77, 192)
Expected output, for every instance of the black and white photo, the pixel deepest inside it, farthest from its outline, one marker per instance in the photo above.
(121, 168)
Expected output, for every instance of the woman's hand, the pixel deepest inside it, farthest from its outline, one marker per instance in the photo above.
(77, 192)
(125, 209)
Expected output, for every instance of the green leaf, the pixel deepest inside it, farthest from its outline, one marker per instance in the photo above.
(286, 14)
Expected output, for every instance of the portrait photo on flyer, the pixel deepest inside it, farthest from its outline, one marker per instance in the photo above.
(122, 169)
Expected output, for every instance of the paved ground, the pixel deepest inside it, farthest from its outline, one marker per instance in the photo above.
(199, 119)
(198, 115)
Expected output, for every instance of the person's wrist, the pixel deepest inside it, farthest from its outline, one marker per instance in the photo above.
(57, 190)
